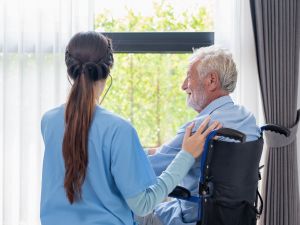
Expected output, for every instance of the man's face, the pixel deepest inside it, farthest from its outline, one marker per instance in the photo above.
(194, 86)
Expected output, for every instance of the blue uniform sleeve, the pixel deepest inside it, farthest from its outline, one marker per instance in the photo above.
(145, 202)
(130, 167)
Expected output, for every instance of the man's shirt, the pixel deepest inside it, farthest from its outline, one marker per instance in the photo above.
(229, 115)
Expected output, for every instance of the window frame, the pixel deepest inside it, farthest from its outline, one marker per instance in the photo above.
(159, 42)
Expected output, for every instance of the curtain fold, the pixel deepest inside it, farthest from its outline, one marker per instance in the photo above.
(276, 26)
(33, 36)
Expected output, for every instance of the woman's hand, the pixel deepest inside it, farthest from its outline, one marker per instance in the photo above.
(194, 143)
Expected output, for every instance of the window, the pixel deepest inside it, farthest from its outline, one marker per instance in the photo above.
(152, 39)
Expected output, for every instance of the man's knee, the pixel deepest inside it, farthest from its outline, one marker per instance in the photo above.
(150, 219)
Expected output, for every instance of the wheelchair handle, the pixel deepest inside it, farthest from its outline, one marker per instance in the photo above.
(277, 129)
(231, 133)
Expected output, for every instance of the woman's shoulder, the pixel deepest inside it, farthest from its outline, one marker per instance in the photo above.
(53, 112)
(111, 119)
(52, 119)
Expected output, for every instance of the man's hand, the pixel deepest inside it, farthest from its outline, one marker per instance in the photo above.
(151, 151)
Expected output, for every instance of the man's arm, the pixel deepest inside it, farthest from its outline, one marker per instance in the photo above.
(165, 154)
(150, 151)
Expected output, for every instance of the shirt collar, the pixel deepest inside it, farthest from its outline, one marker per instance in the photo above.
(217, 103)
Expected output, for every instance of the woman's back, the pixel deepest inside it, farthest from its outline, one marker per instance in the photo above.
(116, 170)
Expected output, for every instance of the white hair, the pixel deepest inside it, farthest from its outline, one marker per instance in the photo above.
(216, 59)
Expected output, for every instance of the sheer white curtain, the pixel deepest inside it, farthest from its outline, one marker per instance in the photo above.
(233, 30)
(33, 36)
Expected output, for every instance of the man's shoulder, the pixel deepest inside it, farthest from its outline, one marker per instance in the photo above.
(238, 117)
(231, 116)
(198, 120)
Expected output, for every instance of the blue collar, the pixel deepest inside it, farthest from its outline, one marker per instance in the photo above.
(217, 103)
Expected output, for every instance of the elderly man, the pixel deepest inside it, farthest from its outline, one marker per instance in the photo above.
(211, 77)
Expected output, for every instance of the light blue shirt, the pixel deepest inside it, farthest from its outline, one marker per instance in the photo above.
(223, 109)
(117, 169)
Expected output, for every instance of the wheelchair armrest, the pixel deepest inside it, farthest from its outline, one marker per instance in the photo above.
(180, 192)
(277, 129)
(231, 133)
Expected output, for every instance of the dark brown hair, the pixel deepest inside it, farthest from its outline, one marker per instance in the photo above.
(88, 58)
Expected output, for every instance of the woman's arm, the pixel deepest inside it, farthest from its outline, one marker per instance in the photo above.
(144, 203)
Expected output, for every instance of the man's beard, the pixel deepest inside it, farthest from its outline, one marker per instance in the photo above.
(196, 104)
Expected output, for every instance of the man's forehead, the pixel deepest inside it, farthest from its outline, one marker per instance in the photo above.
(193, 63)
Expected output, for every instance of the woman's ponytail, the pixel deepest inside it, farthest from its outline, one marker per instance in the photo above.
(88, 58)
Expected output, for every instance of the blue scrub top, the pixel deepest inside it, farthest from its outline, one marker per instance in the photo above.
(117, 169)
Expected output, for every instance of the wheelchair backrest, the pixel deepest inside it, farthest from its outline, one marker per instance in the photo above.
(233, 169)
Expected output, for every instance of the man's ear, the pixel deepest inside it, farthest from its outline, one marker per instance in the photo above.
(213, 81)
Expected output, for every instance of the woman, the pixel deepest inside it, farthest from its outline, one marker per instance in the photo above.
(95, 170)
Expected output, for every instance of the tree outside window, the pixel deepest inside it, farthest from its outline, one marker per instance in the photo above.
(146, 87)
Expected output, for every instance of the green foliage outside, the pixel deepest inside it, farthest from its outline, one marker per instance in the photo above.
(146, 87)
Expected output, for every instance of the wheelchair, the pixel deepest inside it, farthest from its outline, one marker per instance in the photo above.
(228, 185)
